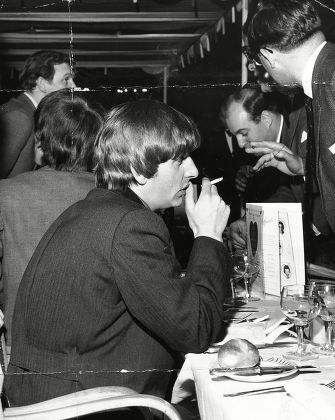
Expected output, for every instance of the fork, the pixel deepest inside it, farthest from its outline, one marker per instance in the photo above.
(330, 385)
(257, 391)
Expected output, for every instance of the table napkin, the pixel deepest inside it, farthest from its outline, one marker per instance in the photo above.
(316, 398)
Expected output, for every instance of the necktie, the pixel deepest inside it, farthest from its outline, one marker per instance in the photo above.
(310, 171)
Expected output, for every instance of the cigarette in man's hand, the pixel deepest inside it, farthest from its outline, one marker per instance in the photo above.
(216, 180)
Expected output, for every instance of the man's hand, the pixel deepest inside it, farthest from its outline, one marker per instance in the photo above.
(208, 215)
(242, 176)
(277, 155)
(238, 234)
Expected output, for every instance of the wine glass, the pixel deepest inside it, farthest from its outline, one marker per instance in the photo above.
(300, 306)
(325, 293)
(246, 270)
(235, 299)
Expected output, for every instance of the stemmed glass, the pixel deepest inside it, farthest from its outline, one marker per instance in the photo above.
(300, 306)
(246, 270)
(325, 292)
(234, 300)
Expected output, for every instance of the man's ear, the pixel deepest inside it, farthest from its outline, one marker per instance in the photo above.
(41, 84)
(38, 153)
(269, 56)
(141, 179)
(267, 118)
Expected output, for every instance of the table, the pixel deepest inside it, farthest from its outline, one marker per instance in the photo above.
(306, 398)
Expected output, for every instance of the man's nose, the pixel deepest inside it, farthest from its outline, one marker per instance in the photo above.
(72, 84)
(191, 170)
(241, 141)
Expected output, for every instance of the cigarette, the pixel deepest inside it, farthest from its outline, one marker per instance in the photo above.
(215, 181)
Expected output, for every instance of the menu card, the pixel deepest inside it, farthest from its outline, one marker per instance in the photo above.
(277, 243)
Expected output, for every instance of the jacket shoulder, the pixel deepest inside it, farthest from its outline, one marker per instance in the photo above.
(325, 63)
(19, 104)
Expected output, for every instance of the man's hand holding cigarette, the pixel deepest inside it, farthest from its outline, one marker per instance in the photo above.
(208, 215)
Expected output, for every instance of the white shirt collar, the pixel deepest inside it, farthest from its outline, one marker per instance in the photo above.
(280, 129)
(32, 99)
(308, 72)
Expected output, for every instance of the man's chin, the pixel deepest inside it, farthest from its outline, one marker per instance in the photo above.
(177, 202)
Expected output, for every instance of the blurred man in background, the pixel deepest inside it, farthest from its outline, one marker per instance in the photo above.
(42, 73)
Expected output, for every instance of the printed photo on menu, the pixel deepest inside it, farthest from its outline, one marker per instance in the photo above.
(286, 256)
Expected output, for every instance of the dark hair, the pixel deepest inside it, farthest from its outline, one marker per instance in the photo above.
(141, 135)
(254, 101)
(66, 127)
(282, 24)
(40, 64)
(286, 267)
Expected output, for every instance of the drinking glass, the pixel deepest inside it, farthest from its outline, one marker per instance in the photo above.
(246, 270)
(235, 299)
(300, 306)
(325, 292)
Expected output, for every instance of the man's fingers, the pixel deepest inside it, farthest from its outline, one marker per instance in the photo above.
(258, 150)
(206, 185)
(240, 185)
(259, 164)
(226, 212)
(239, 245)
(240, 188)
(191, 196)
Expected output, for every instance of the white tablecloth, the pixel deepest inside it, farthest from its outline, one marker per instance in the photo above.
(305, 399)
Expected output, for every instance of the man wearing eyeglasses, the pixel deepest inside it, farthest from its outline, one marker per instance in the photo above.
(285, 37)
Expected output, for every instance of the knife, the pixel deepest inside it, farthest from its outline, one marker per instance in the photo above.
(257, 370)
(226, 376)
(263, 345)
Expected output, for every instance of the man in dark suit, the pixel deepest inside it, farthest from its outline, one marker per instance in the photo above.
(42, 73)
(66, 127)
(297, 53)
(103, 300)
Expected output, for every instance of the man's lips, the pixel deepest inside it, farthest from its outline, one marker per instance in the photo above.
(183, 190)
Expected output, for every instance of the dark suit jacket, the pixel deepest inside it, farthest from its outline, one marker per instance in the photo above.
(103, 293)
(29, 204)
(318, 248)
(214, 159)
(294, 137)
(323, 82)
(16, 136)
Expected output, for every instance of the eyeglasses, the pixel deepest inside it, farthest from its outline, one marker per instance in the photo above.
(252, 55)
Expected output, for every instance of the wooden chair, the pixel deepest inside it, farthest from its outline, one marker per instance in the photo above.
(95, 400)
(88, 401)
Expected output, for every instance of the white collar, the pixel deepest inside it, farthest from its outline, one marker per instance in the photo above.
(308, 72)
(280, 129)
(32, 99)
